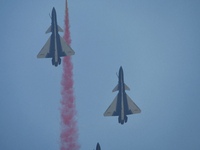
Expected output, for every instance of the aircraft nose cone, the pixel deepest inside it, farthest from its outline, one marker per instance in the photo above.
(53, 10)
(98, 147)
(120, 69)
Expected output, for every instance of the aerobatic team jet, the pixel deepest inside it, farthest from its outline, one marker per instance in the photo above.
(56, 46)
(122, 104)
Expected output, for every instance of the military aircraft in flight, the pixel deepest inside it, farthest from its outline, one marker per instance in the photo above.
(56, 46)
(122, 105)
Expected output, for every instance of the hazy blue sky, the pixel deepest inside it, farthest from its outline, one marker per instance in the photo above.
(156, 41)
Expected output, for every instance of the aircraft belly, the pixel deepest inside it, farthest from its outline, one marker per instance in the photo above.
(126, 108)
(51, 48)
(122, 106)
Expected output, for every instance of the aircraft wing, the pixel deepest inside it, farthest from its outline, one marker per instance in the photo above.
(50, 29)
(133, 108)
(67, 50)
(126, 87)
(112, 108)
(45, 50)
(116, 88)
(59, 28)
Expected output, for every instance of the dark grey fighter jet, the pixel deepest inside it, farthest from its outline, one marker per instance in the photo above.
(122, 104)
(56, 46)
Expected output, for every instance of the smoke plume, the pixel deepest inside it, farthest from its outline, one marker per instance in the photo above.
(69, 130)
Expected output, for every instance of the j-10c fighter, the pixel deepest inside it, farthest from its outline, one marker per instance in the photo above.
(56, 46)
(122, 104)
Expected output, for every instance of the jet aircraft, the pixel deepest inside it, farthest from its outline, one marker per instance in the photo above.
(56, 46)
(122, 105)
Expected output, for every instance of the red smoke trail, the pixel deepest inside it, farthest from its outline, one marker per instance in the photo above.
(69, 130)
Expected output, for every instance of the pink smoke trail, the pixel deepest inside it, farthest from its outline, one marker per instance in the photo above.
(69, 130)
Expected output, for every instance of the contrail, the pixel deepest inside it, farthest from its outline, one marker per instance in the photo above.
(69, 130)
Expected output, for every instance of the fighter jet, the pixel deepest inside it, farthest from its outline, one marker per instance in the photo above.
(122, 104)
(98, 147)
(56, 46)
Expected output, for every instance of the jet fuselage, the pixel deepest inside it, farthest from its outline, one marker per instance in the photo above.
(122, 101)
(55, 40)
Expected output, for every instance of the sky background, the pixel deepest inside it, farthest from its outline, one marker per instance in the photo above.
(156, 42)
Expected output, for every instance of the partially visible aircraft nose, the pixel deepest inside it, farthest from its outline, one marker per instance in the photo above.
(53, 10)
(98, 147)
(120, 70)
